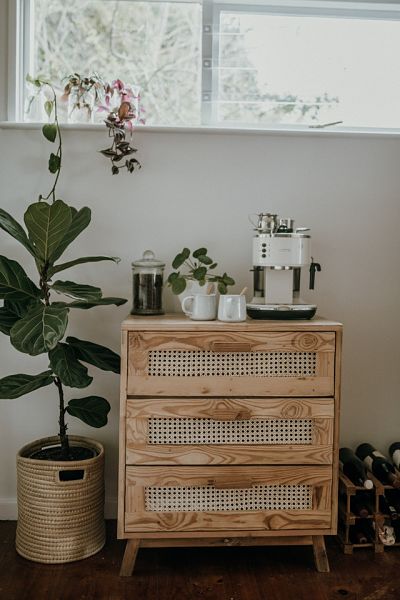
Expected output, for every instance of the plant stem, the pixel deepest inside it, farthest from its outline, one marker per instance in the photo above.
(61, 421)
(59, 149)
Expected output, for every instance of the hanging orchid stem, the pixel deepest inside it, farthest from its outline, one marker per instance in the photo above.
(52, 192)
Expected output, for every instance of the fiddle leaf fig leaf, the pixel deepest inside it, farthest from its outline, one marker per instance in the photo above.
(67, 367)
(96, 355)
(200, 252)
(13, 228)
(90, 304)
(50, 131)
(78, 261)
(14, 282)
(40, 330)
(21, 307)
(80, 220)
(79, 291)
(92, 410)
(7, 320)
(15, 386)
(47, 226)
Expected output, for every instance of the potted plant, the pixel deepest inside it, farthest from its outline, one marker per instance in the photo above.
(60, 479)
(198, 269)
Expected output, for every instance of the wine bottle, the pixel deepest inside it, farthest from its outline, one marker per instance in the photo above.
(394, 452)
(361, 505)
(378, 464)
(362, 532)
(354, 468)
(387, 508)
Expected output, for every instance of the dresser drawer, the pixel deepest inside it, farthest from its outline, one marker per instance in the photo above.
(231, 364)
(189, 499)
(201, 431)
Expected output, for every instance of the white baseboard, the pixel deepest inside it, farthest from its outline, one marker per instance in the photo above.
(8, 509)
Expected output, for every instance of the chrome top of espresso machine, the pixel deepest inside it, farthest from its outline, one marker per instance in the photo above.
(279, 252)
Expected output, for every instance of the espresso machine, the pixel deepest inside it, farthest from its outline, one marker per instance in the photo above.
(279, 252)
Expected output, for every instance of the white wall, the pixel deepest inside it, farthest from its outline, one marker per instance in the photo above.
(197, 189)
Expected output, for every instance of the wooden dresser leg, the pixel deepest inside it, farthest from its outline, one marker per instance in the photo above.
(128, 562)
(320, 556)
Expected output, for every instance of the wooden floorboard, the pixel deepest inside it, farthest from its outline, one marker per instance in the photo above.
(281, 573)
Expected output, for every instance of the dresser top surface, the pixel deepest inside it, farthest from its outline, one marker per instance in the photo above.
(179, 322)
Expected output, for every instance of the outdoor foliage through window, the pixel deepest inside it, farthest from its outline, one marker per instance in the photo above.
(268, 69)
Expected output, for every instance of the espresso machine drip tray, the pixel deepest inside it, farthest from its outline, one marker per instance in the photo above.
(281, 311)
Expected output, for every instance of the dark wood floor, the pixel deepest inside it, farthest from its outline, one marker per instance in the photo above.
(281, 573)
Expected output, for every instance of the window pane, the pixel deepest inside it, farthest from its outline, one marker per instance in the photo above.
(155, 45)
(276, 69)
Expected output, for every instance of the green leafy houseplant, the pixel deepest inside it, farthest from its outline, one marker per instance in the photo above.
(197, 266)
(34, 316)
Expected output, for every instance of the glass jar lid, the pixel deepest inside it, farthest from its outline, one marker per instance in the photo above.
(148, 260)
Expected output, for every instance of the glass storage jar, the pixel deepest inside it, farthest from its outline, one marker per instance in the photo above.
(147, 285)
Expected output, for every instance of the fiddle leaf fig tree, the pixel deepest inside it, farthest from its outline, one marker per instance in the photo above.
(35, 314)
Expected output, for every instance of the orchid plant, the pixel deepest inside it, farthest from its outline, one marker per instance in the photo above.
(122, 115)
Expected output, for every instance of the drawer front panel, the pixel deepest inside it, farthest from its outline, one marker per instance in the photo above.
(229, 431)
(217, 498)
(212, 364)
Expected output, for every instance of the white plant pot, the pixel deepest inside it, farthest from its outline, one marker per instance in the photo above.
(192, 287)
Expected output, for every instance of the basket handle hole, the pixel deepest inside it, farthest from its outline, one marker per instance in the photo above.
(71, 475)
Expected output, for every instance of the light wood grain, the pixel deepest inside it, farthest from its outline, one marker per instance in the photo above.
(140, 451)
(178, 321)
(227, 542)
(320, 556)
(122, 434)
(128, 562)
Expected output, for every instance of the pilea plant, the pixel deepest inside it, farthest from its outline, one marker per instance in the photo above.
(196, 267)
(35, 317)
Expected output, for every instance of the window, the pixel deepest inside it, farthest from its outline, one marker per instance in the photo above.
(287, 64)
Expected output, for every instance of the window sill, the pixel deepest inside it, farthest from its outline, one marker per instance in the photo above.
(272, 131)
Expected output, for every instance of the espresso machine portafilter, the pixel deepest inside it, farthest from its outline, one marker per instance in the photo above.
(280, 251)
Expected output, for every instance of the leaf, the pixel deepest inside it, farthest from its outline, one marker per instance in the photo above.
(21, 307)
(15, 386)
(65, 364)
(92, 410)
(200, 273)
(178, 286)
(206, 260)
(14, 282)
(172, 277)
(228, 280)
(96, 355)
(79, 291)
(213, 265)
(47, 226)
(180, 258)
(7, 320)
(48, 107)
(78, 261)
(35, 82)
(54, 163)
(101, 302)
(80, 220)
(50, 131)
(200, 252)
(222, 287)
(40, 330)
(12, 227)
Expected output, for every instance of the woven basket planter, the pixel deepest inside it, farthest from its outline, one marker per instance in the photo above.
(60, 521)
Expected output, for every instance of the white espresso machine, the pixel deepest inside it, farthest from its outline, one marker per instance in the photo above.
(279, 253)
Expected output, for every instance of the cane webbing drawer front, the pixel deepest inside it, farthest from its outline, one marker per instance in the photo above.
(190, 499)
(231, 364)
(195, 431)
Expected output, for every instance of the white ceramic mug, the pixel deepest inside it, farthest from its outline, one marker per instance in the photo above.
(200, 307)
(232, 307)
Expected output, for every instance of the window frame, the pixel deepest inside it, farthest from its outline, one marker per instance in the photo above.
(20, 55)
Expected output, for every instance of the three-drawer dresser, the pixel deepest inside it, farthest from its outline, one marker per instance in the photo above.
(228, 433)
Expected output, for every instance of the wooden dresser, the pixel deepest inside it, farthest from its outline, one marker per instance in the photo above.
(228, 433)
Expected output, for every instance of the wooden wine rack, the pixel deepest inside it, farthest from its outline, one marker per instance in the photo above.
(347, 518)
